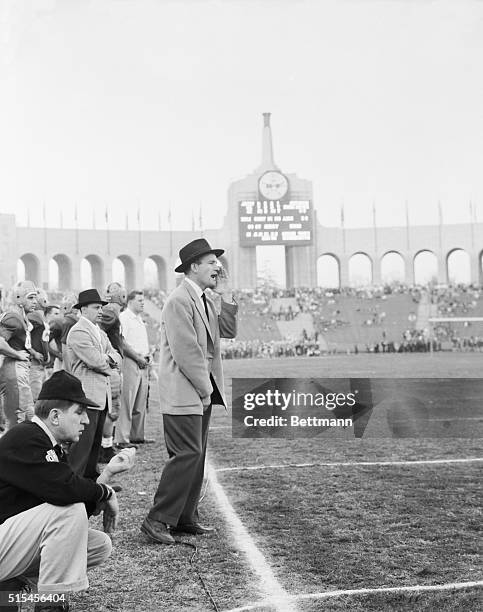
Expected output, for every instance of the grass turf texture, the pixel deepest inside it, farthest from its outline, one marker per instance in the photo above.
(320, 528)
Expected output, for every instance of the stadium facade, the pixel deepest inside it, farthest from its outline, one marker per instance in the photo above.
(266, 207)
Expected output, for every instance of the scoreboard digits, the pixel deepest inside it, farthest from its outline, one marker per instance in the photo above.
(275, 222)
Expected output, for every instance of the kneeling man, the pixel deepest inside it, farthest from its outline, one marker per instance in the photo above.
(44, 505)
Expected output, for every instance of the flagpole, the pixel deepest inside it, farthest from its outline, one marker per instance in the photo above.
(76, 222)
(108, 237)
(170, 232)
(342, 224)
(374, 225)
(139, 232)
(408, 241)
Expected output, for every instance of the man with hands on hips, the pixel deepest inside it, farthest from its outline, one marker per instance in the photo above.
(190, 382)
(44, 504)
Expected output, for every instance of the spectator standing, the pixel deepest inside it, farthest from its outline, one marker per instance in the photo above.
(39, 351)
(15, 344)
(130, 425)
(91, 356)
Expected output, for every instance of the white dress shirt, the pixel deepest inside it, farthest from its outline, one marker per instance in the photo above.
(134, 331)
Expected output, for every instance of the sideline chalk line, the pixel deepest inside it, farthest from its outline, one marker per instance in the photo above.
(452, 586)
(347, 464)
(275, 593)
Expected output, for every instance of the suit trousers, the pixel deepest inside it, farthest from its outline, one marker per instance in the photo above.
(176, 500)
(53, 543)
(132, 415)
(84, 455)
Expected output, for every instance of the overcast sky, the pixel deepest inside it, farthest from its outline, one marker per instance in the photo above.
(143, 103)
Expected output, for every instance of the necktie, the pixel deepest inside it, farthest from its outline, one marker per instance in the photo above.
(203, 297)
(59, 451)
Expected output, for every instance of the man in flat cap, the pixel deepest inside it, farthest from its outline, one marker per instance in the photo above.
(190, 382)
(44, 505)
(90, 357)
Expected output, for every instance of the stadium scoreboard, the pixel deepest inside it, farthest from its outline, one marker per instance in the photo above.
(263, 222)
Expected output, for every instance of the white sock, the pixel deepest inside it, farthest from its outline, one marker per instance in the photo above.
(106, 442)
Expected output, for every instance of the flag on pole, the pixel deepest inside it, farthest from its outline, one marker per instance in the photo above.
(342, 219)
(127, 222)
(106, 215)
(440, 213)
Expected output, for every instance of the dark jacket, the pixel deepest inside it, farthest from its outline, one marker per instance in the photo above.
(30, 476)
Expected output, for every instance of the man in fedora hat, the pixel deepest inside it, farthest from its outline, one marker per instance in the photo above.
(44, 505)
(91, 357)
(190, 382)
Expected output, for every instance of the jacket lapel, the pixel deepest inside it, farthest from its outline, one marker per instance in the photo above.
(87, 327)
(199, 307)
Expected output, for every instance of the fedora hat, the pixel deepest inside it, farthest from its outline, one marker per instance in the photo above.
(193, 250)
(89, 296)
(64, 386)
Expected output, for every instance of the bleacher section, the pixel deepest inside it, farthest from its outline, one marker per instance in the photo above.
(346, 321)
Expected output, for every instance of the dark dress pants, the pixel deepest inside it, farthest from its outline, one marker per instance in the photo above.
(176, 500)
(84, 455)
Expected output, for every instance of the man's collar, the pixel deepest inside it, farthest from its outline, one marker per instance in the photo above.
(89, 322)
(197, 288)
(42, 425)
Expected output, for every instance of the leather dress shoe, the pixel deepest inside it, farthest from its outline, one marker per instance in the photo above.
(122, 445)
(192, 528)
(145, 441)
(157, 532)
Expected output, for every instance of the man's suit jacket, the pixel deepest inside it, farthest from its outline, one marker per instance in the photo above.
(190, 350)
(88, 360)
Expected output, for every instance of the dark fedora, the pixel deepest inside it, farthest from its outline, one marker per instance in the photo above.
(89, 296)
(64, 386)
(193, 250)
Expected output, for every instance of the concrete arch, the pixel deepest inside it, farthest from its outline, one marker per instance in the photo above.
(393, 267)
(93, 272)
(328, 271)
(425, 264)
(64, 268)
(360, 269)
(155, 272)
(124, 271)
(32, 267)
(458, 266)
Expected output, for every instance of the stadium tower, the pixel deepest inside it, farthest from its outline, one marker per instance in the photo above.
(271, 207)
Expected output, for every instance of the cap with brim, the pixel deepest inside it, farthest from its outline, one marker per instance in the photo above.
(64, 386)
(193, 250)
(89, 296)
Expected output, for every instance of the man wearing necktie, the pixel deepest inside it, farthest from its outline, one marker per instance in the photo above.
(190, 383)
(44, 505)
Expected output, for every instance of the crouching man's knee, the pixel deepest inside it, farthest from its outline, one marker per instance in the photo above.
(99, 547)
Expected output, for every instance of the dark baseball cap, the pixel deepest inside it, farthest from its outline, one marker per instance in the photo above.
(64, 386)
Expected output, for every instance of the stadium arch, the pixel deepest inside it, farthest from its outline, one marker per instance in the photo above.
(92, 272)
(425, 265)
(458, 266)
(64, 272)
(365, 269)
(124, 271)
(32, 267)
(155, 266)
(390, 261)
(328, 271)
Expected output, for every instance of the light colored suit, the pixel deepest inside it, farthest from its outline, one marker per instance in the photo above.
(190, 350)
(88, 358)
(190, 368)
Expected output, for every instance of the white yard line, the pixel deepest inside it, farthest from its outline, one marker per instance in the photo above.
(452, 586)
(347, 464)
(274, 591)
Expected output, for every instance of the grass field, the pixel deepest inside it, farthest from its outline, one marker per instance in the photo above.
(319, 528)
